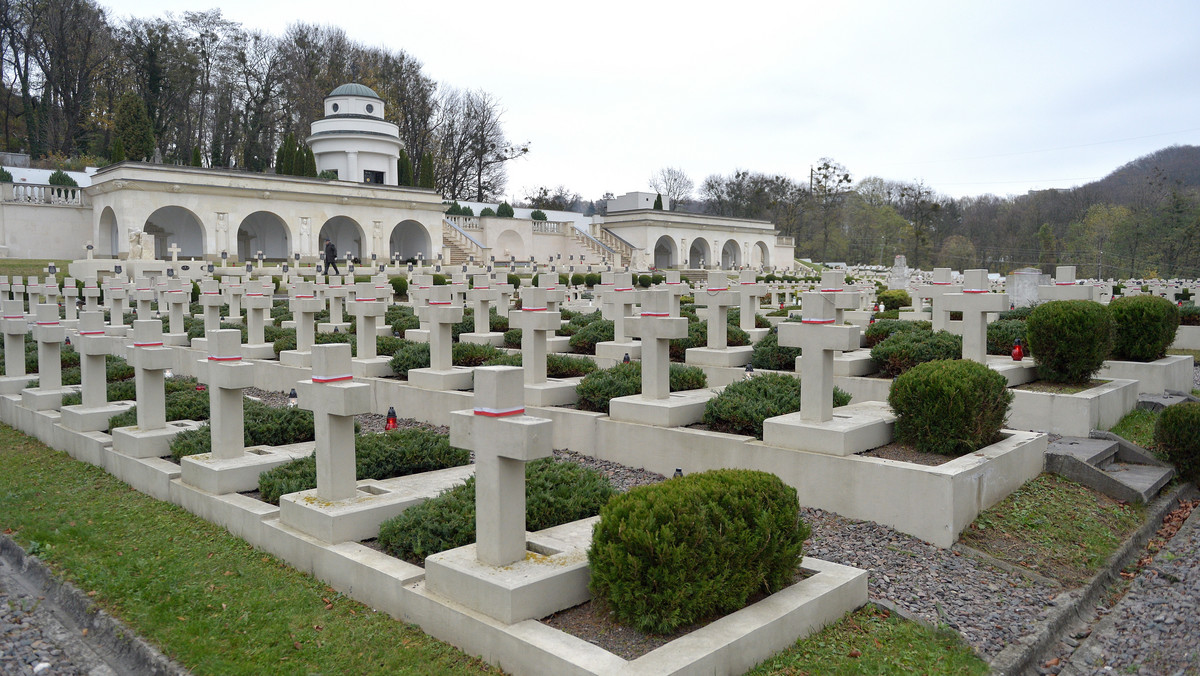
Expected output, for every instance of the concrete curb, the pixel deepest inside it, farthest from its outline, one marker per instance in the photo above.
(132, 654)
(990, 560)
(1021, 657)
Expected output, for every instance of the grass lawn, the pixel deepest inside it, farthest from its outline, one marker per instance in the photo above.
(203, 596)
(873, 641)
(1138, 426)
(1057, 527)
(26, 267)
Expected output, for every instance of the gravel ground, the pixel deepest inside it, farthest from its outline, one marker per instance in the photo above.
(1153, 629)
(1196, 375)
(31, 639)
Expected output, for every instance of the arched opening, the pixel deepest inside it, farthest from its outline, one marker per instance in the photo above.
(699, 255)
(408, 239)
(262, 231)
(177, 226)
(665, 252)
(731, 255)
(346, 234)
(760, 255)
(509, 244)
(107, 235)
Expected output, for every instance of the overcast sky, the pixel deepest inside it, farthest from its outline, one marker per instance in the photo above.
(970, 97)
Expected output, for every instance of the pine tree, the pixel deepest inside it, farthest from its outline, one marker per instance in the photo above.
(427, 171)
(286, 164)
(196, 162)
(133, 128)
(404, 170)
(310, 163)
(658, 202)
(116, 153)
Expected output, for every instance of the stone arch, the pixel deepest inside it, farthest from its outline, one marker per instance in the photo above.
(731, 255)
(699, 254)
(666, 252)
(347, 236)
(408, 239)
(179, 226)
(107, 234)
(760, 255)
(509, 243)
(263, 231)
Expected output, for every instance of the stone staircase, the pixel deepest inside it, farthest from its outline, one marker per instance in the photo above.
(1107, 463)
(454, 254)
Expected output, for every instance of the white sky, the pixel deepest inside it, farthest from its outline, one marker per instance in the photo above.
(971, 97)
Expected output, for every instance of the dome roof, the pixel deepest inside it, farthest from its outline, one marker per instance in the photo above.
(354, 89)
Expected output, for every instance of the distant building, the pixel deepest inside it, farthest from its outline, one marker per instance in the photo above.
(631, 201)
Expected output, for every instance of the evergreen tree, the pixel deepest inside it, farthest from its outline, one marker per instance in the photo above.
(286, 164)
(427, 171)
(116, 153)
(505, 210)
(196, 157)
(404, 169)
(310, 163)
(133, 128)
(658, 202)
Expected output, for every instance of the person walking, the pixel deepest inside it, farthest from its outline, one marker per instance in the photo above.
(331, 257)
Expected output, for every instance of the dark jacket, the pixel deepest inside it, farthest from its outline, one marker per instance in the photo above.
(330, 252)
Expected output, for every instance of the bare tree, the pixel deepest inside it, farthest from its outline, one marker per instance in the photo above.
(673, 184)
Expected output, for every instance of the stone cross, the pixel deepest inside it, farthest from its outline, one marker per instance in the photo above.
(818, 336)
(18, 289)
(258, 300)
(226, 375)
(536, 322)
(383, 289)
(15, 328)
(176, 299)
(418, 294)
(554, 293)
(70, 295)
(305, 306)
(440, 314)
(336, 292)
(749, 291)
(368, 311)
(210, 299)
(233, 292)
(505, 291)
(93, 347)
(483, 295)
(657, 328)
(1064, 287)
(717, 298)
(173, 250)
(334, 398)
(149, 360)
(618, 304)
(116, 293)
(939, 286)
(91, 295)
(678, 290)
(833, 284)
(975, 302)
(5, 288)
(504, 439)
(143, 296)
(49, 334)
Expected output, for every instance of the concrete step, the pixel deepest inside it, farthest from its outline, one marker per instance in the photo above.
(1157, 402)
(1144, 481)
(1089, 451)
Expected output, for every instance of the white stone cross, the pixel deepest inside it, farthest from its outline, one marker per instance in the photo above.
(334, 398)
(93, 346)
(226, 376)
(143, 296)
(173, 250)
(483, 296)
(336, 292)
(91, 294)
(618, 304)
(176, 299)
(678, 290)
(210, 299)
(656, 327)
(367, 311)
(536, 322)
(718, 299)
(941, 284)
(383, 289)
(554, 293)
(504, 439)
(749, 291)
(116, 293)
(149, 360)
(440, 314)
(819, 337)
(833, 284)
(305, 306)
(1064, 287)
(233, 292)
(258, 307)
(975, 302)
(49, 334)
(15, 328)
(70, 295)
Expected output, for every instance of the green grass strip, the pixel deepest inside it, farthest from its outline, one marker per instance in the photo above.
(1137, 426)
(873, 641)
(206, 598)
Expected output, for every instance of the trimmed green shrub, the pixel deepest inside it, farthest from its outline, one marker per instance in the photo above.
(376, 456)
(537, 215)
(399, 286)
(645, 281)
(887, 314)
(1070, 339)
(1002, 334)
(557, 365)
(1021, 313)
(591, 279)
(1189, 315)
(578, 279)
(769, 354)
(672, 554)
(185, 403)
(487, 212)
(512, 338)
(473, 354)
(622, 380)
(883, 328)
(894, 299)
(504, 210)
(584, 341)
(950, 407)
(410, 356)
(1177, 435)
(698, 337)
(262, 426)
(904, 350)
(735, 317)
(743, 405)
(439, 279)
(555, 493)
(783, 312)
(1143, 327)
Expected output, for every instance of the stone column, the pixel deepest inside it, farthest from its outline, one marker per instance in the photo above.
(334, 398)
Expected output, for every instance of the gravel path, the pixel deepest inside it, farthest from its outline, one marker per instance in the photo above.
(1196, 375)
(1153, 629)
(32, 640)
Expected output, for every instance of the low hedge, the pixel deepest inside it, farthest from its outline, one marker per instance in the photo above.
(883, 328)
(1189, 315)
(742, 406)
(262, 425)
(949, 407)
(1143, 327)
(904, 350)
(1177, 436)
(675, 553)
(376, 456)
(184, 403)
(894, 299)
(599, 387)
(555, 493)
(735, 317)
(411, 355)
(698, 337)
(1002, 335)
(1070, 339)
(584, 341)
(557, 365)
(769, 354)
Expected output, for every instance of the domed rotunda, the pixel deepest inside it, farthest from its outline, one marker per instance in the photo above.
(353, 140)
